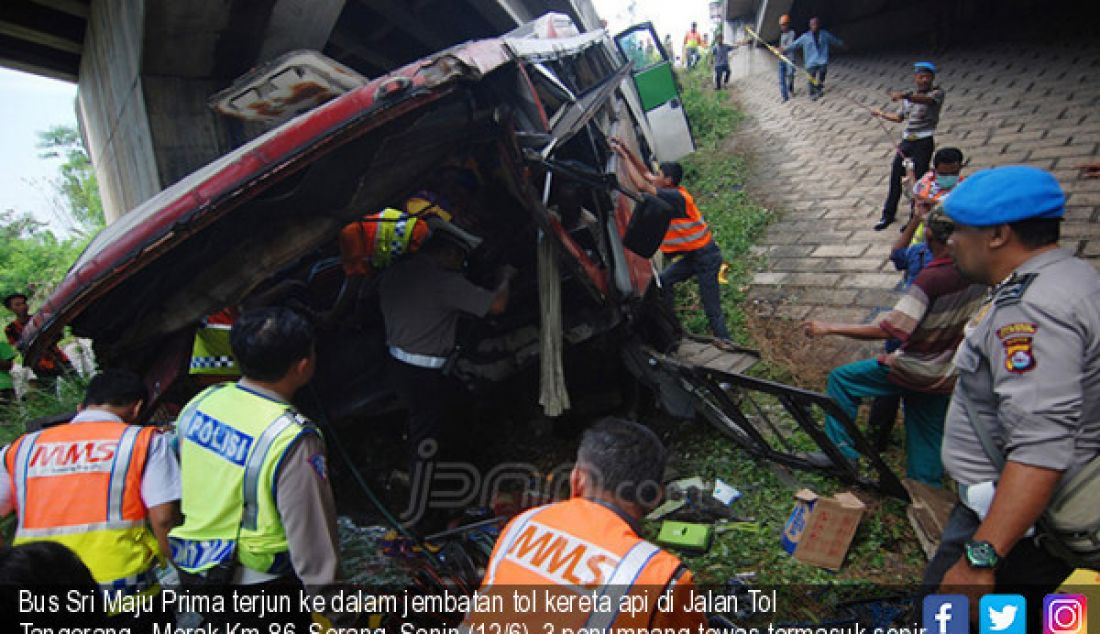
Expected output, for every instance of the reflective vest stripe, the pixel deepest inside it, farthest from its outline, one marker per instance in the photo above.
(690, 237)
(508, 540)
(19, 474)
(620, 582)
(255, 465)
(119, 468)
(684, 225)
(76, 529)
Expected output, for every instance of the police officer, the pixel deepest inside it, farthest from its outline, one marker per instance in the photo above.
(1029, 372)
(615, 482)
(258, 507)
(106, 489)
(422, 298)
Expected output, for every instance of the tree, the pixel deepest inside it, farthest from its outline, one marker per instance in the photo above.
(78, 202)
(32, 259)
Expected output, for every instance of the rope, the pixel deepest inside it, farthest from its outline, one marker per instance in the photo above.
(814, 81)
(552, 392)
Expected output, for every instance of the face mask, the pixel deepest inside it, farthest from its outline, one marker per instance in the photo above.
(947, 182)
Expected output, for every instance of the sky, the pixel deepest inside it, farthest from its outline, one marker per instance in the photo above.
(668, 16)
(30, 104)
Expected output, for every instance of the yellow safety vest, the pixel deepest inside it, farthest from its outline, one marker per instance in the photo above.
(232, 440)
(211, 352)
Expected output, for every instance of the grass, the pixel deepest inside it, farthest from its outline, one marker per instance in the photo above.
(884, 550)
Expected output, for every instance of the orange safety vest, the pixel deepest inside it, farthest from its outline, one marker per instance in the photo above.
(582, 550)
(372, 243)
(689, 233)
(80, 485)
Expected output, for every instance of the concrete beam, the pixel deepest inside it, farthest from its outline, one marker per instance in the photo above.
(34, 58)
(299, 24)
(398, 15)
(77, 8)
(352, 46)
(45, 38)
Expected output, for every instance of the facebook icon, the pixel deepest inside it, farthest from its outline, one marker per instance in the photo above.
(946, 614)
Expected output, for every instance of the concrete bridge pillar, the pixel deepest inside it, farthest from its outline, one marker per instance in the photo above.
(149, 68)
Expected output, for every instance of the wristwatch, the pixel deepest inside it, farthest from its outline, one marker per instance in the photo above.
(981, 555)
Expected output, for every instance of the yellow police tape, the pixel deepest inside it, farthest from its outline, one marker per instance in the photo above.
(775, 51)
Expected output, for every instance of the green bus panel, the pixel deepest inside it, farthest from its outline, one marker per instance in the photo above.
(656, 86)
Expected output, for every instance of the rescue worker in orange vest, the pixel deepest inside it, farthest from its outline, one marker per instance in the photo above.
(693, 42)
(591, 544)
(371, 244)
(106, 489)
(688, 239)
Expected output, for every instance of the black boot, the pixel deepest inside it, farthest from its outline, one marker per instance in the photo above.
(885, 221)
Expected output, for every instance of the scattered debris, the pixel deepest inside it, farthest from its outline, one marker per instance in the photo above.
(820, 530)
(362, 550)
(687, 536)
(928, 513)
(725, 493)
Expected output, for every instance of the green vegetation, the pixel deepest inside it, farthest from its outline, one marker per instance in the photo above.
(884, 550)
(76, 190)
(38, 403)
(715, 177)
(33, 259)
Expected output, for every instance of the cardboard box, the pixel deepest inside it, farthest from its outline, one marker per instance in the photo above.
(820, 530)
(928, 513)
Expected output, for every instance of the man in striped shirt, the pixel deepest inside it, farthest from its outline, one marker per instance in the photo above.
(929, 321)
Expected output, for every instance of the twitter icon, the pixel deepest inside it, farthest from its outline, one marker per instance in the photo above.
(1003, 614)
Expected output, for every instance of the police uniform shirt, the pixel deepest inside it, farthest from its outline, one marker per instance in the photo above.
(1030, 365)
(307, 509)
(922, 118)
(160, 482)
(421, 302)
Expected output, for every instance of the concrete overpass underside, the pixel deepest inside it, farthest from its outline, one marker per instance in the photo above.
(146, 68)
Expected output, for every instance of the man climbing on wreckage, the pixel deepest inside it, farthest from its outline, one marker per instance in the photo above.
(688, 238)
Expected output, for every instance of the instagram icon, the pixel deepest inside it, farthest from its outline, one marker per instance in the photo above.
(1065, 614)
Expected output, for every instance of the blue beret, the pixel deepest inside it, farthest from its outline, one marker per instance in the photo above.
(928, 66)
(1005, 194)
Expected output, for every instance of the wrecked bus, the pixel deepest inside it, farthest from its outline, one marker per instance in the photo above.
(530, 113)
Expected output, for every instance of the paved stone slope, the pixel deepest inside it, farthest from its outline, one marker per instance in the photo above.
(823, 166)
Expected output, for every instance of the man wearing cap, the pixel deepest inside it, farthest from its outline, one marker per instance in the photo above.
(422, 296)
(786, 71)
(920, 109)
(928, 321)
(1029, 373)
